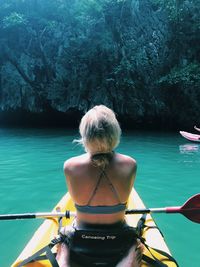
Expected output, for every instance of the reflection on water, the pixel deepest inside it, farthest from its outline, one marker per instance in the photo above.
(189, 148)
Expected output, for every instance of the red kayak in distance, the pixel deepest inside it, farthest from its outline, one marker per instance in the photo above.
(190, 136)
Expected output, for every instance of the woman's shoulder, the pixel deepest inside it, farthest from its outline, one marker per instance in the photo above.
(125, 164)
(75, 162)
(122, 158)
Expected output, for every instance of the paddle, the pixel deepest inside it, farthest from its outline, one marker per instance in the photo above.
(44, 215)
(190, 209)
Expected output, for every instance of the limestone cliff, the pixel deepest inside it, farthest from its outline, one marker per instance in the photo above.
(131, 55)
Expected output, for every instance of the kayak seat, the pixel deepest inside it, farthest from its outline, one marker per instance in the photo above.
(99, 245)
(102, 245)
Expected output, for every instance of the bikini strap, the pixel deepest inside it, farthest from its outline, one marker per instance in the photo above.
(113, 189)
(95, 189)
(103, 174)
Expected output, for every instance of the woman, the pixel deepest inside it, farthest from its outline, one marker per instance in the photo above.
(198, 129)
(100, 182)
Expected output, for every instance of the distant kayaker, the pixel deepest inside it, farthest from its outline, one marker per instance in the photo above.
(100, 182)
(198, 129)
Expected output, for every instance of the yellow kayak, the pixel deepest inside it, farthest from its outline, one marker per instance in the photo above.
(49, 229)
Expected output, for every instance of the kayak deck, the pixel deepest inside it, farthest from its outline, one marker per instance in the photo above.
(49, 229)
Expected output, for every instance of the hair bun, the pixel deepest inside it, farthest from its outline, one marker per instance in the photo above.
(102, 159)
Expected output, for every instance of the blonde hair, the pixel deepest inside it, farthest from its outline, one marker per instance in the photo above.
(100, 131)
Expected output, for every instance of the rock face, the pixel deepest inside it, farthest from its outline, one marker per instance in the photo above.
(127, 55)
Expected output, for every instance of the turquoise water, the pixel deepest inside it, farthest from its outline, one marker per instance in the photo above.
(31, 179)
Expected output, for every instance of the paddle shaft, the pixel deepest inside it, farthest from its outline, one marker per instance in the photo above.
(141, 211)
(37, 215)
(69, 214)
(158, 210)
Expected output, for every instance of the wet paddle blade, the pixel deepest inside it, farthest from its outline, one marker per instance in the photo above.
(191, 208)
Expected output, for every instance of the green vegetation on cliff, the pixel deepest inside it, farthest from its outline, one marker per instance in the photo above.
(128, 54)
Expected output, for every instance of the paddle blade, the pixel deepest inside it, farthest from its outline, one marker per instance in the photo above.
(191, 208)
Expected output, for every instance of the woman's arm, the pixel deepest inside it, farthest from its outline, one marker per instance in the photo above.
(198, 129)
